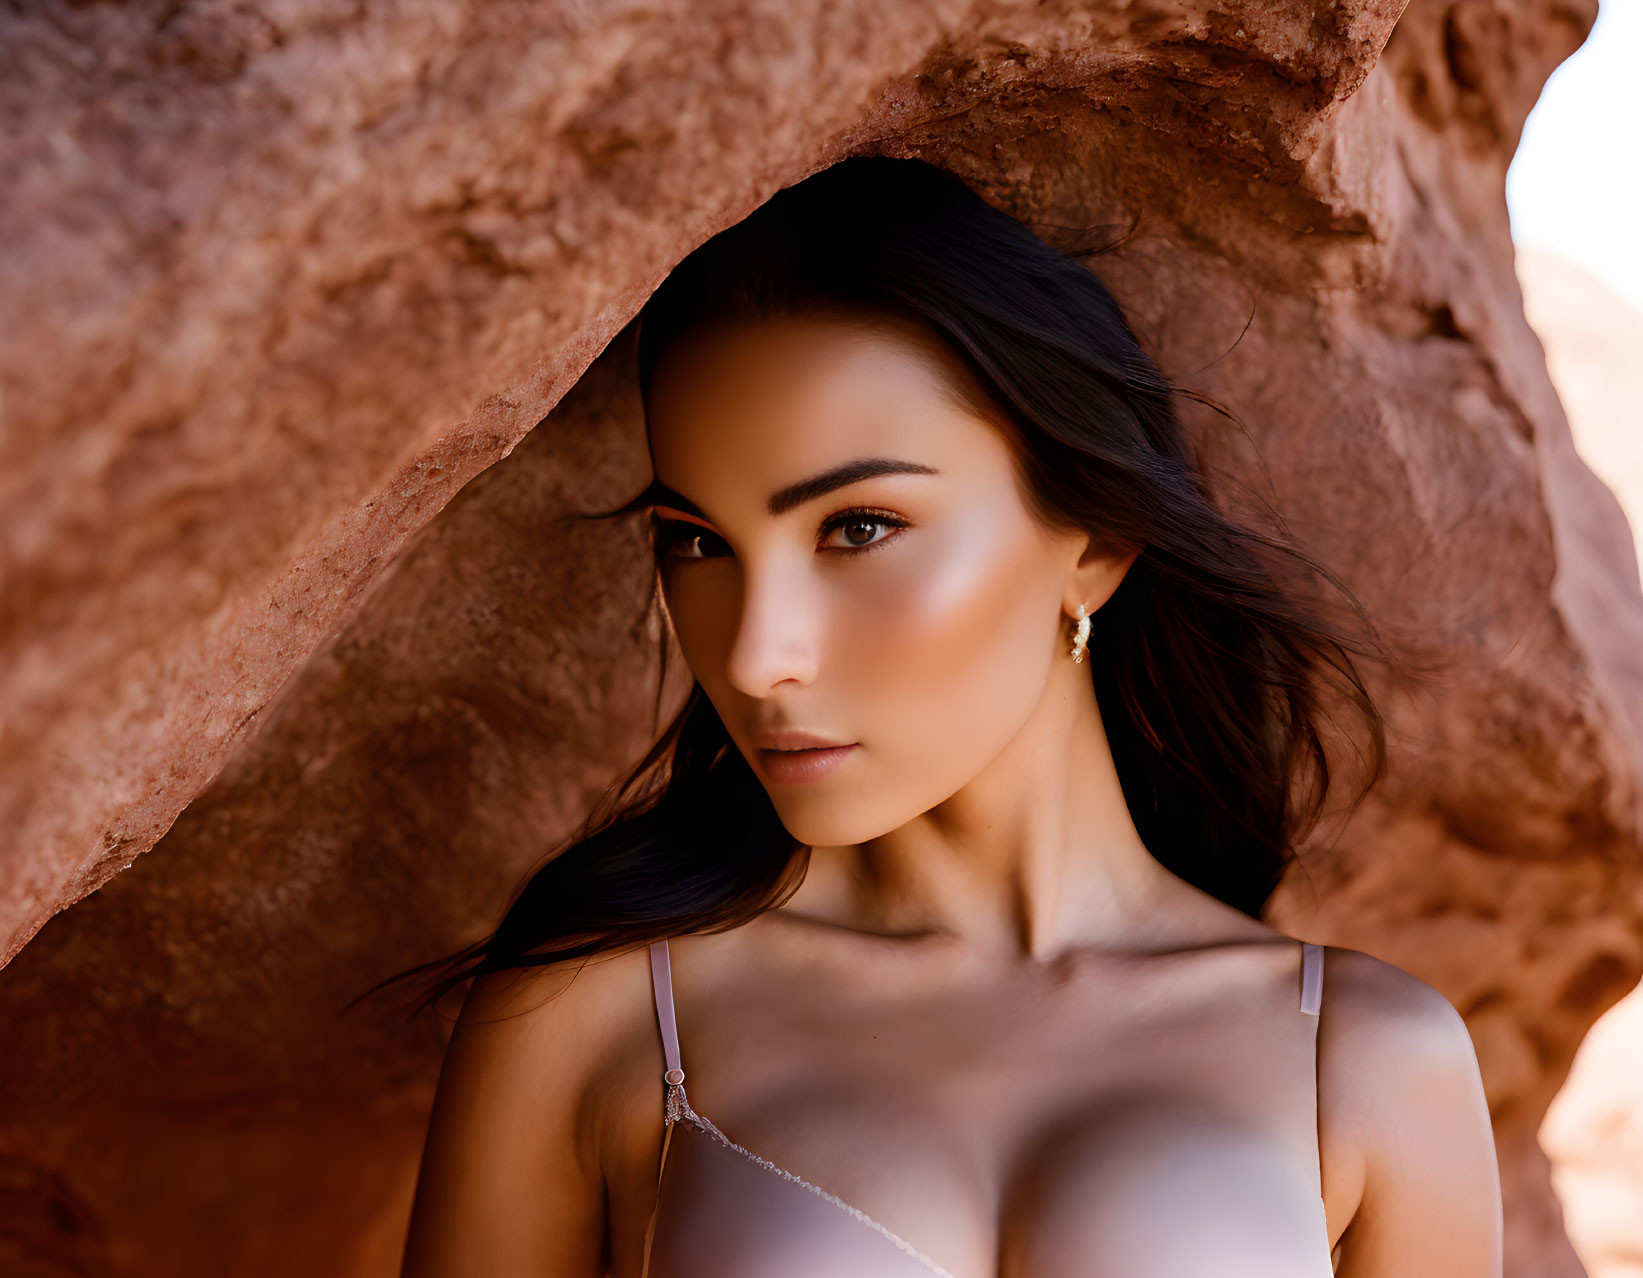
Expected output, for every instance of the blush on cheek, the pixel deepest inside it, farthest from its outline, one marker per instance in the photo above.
(948, 649)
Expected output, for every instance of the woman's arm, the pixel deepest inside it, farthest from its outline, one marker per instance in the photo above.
(510, 1185)
(1399, 1069)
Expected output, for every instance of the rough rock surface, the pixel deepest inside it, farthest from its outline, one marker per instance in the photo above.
(282, 288)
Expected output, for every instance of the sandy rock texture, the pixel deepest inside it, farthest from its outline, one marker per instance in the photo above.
(1591, 335)
(1593, 1132)
(285, 291)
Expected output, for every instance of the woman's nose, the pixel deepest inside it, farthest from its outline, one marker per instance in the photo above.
(777, 637)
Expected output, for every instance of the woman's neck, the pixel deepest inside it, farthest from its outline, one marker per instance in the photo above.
(1037, 854)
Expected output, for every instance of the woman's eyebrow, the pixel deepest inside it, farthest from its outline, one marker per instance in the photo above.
(806, 490)
(839, 476)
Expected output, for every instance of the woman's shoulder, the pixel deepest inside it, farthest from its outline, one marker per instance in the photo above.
(1403, 1105)
(531, 993)
(1376, 1010)
(515, 1168)
(580, 1029)
(1387, 1042)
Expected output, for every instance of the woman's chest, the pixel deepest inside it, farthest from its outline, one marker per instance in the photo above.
(1155, 1139)
(1152, 1200)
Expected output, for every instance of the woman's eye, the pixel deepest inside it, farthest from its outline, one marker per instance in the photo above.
(859, 528)
(677, 539)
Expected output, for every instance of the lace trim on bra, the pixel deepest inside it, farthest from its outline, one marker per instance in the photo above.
(677, 1107)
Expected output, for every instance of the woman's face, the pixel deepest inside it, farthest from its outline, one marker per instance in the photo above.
(913, 615)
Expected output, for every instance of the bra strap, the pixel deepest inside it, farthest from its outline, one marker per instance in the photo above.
(1312, 997)
(673, 1077)
(674, 1105)
(1312, 977)
(661, 985)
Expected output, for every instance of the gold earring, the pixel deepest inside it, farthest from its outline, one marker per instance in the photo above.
(1081, 637)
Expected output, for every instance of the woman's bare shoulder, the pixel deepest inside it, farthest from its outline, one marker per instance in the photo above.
(577, 1026)
(1377, 1015)
(1406, 1124)
(519, 1148)
(575, 1038)
(530, 997)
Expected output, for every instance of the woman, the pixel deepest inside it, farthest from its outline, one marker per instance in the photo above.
(944, 887)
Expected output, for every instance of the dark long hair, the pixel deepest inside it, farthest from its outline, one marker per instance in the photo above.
(1214, 680)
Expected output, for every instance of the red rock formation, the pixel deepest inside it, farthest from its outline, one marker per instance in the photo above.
(277, 289)
(1593, 1132)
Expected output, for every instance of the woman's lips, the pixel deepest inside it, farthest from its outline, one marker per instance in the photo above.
(789, 767)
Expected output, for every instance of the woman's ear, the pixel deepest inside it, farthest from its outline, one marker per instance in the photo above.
(1095, 577)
